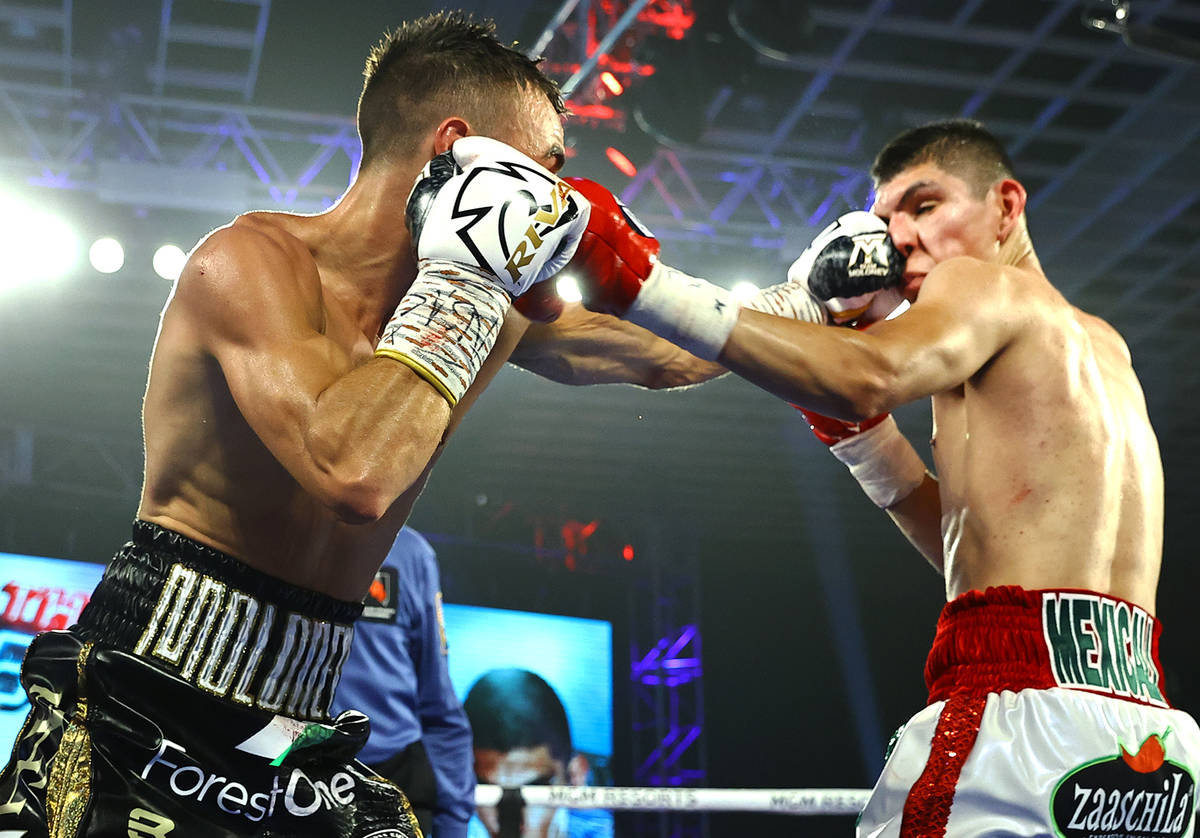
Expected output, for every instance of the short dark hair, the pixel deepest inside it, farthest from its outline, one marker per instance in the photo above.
(437, 64)
(962, 147)
(514, 708)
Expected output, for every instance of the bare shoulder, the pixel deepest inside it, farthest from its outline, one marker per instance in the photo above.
(246, 271)
(966, 273)
(252, 242)
(1103, 333)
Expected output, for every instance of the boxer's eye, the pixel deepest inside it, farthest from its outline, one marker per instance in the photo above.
(925, 207)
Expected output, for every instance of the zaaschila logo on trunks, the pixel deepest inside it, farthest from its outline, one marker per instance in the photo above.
(1142, 795)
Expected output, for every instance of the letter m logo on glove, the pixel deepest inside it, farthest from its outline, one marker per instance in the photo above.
(870, 256)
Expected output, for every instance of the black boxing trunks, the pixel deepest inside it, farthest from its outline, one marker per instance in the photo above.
(192, 699)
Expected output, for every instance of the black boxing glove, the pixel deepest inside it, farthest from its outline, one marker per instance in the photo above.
(853, 268)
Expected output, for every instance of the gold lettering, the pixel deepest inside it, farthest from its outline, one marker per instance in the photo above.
(275, 689)
(519, 259)
(177, 587)
(174, 637)
(240, 610)
(241, 693)
(208, 601)
(318, 650)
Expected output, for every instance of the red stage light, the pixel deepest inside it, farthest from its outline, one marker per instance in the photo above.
(623, 163)
(627, 553)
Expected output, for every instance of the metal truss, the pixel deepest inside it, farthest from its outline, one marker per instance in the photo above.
(666, 670)
(209, 46)
(175, 153)
(785, 149)
(768, 186)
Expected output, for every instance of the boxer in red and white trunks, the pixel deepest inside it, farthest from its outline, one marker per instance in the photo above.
(1047, 713)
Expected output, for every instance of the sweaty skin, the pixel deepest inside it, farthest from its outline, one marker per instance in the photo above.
(1048, 469)
(272, 432)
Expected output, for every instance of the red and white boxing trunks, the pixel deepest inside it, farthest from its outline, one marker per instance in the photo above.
(1046, 716)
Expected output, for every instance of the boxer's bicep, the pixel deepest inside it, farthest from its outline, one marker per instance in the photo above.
(243, 306)
(963, 319)
(353, 435)
(584, 347)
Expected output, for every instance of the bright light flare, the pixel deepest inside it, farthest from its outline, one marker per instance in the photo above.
(743, 291)
(168, 261)
(36, 245)
(106, 255)
(568, 289)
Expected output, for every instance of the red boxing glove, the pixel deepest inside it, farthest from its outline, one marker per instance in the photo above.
(615, 255)
(540, 303)
(617, 269)
(831, 431)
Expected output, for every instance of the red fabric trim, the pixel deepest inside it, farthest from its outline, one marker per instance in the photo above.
(927, 808)
(993, 640)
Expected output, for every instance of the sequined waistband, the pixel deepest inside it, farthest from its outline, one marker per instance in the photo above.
(1009, 638)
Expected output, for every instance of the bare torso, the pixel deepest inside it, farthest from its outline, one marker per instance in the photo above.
(1048, 468)
(210, 477)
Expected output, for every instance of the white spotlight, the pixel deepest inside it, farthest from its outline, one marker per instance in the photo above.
(106, 255)
(168, 261)
(743, 291)
(35, 245)
(568, 289)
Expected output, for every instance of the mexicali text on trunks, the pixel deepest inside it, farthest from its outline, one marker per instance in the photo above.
(216, 637)
(1101, 644)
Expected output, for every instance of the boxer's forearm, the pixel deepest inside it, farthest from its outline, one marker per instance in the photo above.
(368, 439)
(919, 516)
(584, 347)
(837, 372)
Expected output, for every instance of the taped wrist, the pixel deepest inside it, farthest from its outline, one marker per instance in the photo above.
(789, 299)
(883, 462)
(446, 325)
(691, 313)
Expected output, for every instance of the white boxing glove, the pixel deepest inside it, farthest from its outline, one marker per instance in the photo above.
(487, 207)
(486, 222)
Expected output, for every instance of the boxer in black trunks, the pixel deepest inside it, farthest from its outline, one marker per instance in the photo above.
(283, 454)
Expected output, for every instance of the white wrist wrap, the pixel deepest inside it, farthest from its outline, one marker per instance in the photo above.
(691, 313)
(790, 299)
(883, 462)
(446, 325)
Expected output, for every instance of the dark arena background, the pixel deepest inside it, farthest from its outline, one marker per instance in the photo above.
(768, 626)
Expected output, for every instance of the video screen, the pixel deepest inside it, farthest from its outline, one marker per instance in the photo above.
(36, 594)
(525, 672)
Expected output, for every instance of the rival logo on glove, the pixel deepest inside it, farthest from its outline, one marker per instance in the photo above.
(560, 203)
(474, 201)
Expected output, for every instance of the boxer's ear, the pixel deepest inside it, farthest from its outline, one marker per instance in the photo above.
(449, 129)
(1011, 198)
